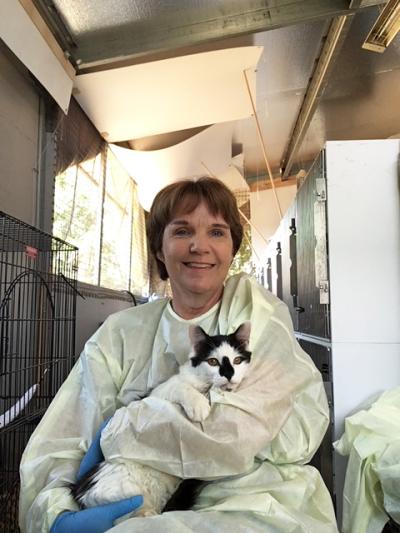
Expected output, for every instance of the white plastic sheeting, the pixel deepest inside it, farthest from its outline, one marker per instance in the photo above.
(208, 152)
(169, 95)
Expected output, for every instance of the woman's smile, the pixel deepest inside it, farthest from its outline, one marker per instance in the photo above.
(200, 266)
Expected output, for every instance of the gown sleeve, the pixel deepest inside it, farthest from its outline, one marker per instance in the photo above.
(55, 449)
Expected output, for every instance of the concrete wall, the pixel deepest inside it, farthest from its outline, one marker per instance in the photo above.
(19, 128)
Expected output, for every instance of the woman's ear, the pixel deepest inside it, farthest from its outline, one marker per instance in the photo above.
(160, 256)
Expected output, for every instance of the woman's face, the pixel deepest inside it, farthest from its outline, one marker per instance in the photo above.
(197, 251)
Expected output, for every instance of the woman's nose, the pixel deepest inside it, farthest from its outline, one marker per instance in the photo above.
(199, 244)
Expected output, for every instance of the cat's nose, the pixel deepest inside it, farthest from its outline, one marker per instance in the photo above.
(226, 369)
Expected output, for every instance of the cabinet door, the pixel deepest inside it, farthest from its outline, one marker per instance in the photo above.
(312, 253)
(323, 458)
(288, 257)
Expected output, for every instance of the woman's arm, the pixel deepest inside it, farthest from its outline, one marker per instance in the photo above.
(55, 449)
(53, 454)
(90, 394)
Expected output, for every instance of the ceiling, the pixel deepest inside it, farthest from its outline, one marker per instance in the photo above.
(314, 81)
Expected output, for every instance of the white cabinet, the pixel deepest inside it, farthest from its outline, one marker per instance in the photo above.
(335, 260)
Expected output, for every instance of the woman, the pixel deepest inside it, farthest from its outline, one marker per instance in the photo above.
(255, 441)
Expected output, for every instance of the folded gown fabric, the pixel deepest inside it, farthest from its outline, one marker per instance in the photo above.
(372, 485)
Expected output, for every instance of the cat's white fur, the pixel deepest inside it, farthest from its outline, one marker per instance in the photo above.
(116, 481)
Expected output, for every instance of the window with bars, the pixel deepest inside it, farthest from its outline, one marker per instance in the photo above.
(96, 208)
(77, 213)
(123, 248)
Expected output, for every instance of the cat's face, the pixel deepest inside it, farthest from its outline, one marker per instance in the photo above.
(222, 359)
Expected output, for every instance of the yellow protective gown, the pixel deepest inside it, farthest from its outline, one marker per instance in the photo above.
(254, 443)
(372, 485)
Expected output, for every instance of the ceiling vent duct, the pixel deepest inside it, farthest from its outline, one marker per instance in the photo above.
(385, 28)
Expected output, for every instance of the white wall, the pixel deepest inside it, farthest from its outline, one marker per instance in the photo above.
(265, 216)
(364, 263)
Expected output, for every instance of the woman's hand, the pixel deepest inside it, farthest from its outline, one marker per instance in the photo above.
(94, 455)
(100, 518)
(96, 519)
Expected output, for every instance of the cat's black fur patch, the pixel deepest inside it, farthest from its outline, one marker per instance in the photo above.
(80, 487)
(226, 369)
(185, 495)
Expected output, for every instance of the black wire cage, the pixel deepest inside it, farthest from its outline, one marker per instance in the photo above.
(38, 287)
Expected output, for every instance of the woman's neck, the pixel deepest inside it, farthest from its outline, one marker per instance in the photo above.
(193, 305)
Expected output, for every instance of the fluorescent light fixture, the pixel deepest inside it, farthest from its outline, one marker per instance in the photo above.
(385, 28)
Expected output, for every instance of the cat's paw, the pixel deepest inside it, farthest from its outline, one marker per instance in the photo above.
(199, 410)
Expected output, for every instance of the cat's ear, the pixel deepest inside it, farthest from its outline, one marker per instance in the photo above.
(242, 333)
(196, 335)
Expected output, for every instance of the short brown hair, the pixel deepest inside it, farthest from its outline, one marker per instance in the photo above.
(187, 194)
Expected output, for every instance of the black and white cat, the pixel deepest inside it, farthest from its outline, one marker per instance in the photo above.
(220, 362)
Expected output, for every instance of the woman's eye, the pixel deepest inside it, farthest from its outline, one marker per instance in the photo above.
(237, 360)
(217, 233)
(212, 362)
(181, 232)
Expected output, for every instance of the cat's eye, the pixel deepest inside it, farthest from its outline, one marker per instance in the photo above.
(212, 361)
(237, 360)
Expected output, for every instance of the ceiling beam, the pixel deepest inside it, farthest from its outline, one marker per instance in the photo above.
(265, 184)
(332, 44)
(188, 28)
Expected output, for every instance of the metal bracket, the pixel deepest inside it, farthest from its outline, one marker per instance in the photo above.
(324, 292)
(320, 189)
(321, 252)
